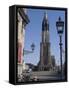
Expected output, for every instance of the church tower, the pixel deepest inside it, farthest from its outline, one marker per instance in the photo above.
(45, 55)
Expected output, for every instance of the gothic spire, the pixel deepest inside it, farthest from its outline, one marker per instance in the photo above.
(45, 23)
(45, 15)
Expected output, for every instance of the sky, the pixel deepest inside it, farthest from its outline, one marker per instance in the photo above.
(34, 30)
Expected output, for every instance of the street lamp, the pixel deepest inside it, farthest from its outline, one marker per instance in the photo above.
(29, 51)
(60, 28)
(32, 46)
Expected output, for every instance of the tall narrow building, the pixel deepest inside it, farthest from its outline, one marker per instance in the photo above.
(23, 20)
(45, 54)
